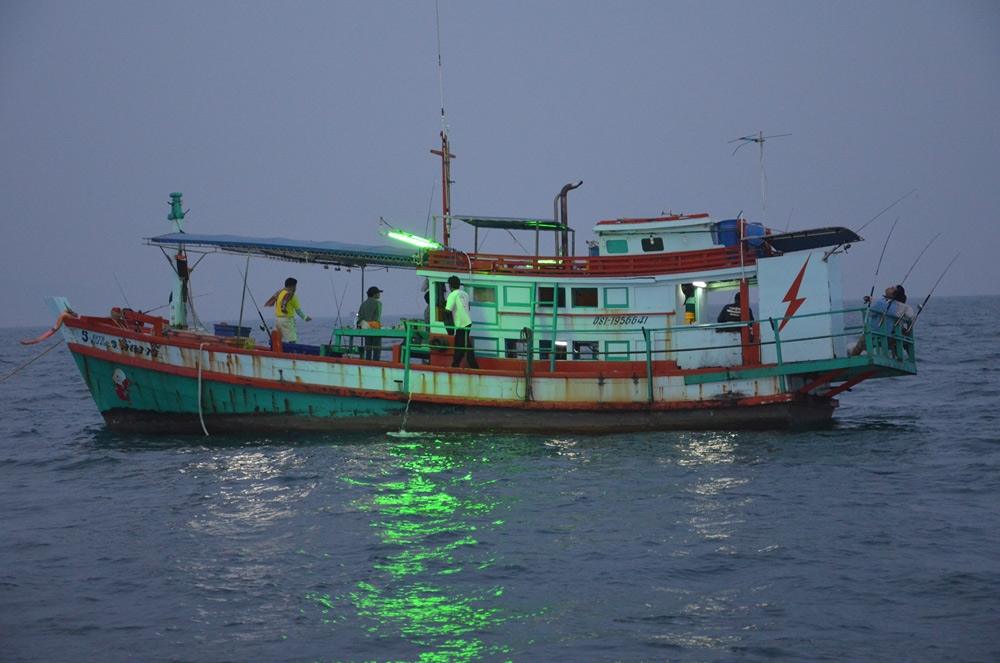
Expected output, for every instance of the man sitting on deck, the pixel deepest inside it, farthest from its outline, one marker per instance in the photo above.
(887, 317)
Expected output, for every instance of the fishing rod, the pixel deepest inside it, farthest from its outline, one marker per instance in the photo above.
(924, 303)
(868, 222)
(253, 299)
(871, 293)
(339, 302)
(920, 255)
(243, 299)
(896, 202)
(157, 308)
(121, 290)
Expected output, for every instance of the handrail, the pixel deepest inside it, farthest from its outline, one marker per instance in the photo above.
(878, 342)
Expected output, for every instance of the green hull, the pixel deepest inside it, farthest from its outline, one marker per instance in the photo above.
(139, 399)
(136, 390)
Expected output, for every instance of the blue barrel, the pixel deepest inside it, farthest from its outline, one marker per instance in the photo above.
(727, 232)
(753, 233)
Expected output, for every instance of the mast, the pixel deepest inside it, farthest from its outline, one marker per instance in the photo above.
(444, 152)
(446, 157)
(179, 294)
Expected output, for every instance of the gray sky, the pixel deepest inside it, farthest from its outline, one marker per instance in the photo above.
(311, 119)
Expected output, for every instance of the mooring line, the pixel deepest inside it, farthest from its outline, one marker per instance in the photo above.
(201, 417)
(31, 361)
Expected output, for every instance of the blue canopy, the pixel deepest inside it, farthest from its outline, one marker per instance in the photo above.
(294, 250)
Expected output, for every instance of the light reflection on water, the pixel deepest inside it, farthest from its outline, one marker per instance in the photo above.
(428, 511)
(248, 492)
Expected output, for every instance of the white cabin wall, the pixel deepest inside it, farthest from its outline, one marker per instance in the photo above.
(776, 278)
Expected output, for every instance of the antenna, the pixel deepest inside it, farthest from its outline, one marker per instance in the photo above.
(437, 17)
(444, 152)
(759, 138)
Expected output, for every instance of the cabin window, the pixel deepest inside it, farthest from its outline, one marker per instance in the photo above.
(617, 246)
(586, 349)
(545, 297)
(516, 295)
(486, 347)
(515, 348)
(617, 350)
(585, 297)
(652, 244)
(616, 298)
(483, 295)
(439, 299)
(545, 349)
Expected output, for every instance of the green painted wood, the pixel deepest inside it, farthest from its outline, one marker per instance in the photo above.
(116, 386)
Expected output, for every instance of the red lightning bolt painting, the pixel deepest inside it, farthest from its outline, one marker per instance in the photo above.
(792, 296)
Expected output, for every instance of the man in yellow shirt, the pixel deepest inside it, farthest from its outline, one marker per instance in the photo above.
(286, 307)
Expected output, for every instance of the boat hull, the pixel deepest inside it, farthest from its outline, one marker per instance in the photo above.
(137, 399)
(773, 416)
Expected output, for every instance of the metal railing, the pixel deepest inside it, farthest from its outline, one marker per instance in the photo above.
(884, 337)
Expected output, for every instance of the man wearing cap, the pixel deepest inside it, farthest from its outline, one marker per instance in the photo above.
(370, 317)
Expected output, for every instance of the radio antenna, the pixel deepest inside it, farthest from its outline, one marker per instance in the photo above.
(437, 17)
(445, 151)
(760, 139)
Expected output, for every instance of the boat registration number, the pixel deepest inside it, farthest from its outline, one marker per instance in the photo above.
(619, 320)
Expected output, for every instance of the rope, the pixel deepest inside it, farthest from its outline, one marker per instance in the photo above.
(31, 361)
(201, 417)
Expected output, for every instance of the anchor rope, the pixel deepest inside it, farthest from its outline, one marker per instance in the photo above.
(31, 361)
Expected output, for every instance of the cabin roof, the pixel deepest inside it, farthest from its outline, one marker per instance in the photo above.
(654, 219)
(295, 250)
(508, 222)
(660, 223)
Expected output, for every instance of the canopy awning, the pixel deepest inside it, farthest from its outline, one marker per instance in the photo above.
(294, 250)
(803, 240)
(508, 223)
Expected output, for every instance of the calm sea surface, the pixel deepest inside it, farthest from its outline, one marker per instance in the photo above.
(876, 539)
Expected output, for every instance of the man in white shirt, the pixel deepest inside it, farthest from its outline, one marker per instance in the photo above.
(458, 306)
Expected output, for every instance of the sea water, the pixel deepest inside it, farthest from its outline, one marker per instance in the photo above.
(877, 538)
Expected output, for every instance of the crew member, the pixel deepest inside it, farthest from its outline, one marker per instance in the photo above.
(885, 317)
(458, 306)
(286, 307)
(733, 313)
(690, 305)
(370, 317)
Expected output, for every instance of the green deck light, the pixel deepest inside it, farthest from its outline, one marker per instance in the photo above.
(413, 240)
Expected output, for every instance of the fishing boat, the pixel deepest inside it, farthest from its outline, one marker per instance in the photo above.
(618, 338)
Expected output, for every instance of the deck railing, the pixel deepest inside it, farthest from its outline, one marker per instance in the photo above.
(884, 339)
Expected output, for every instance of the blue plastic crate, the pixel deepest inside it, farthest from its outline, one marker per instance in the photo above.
(226, 329)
